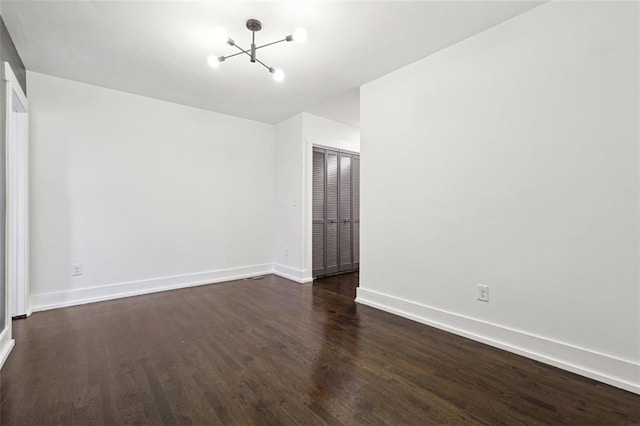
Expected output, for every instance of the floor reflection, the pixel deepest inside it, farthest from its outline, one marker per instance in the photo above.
(334, 371)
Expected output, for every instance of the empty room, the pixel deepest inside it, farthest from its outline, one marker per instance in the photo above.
(320, 212)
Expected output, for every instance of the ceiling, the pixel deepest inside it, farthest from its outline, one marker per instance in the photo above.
(343, 108)
(159, 49)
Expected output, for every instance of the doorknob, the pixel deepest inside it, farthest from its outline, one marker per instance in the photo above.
(347, 220)
(333, 221)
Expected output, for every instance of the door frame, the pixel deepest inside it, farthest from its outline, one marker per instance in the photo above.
(307, 196)
(17, 220)
(17, 198)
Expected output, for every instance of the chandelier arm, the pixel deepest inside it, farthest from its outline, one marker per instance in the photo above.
(247, 52)
(241, 51)
(263, 64)
(272, 43)
(236, 54)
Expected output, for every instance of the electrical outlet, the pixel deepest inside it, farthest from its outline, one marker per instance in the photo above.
(286, 252)
(483, 292)
(76, 269)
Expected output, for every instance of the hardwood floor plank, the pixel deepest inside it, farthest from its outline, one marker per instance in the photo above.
(275, 352)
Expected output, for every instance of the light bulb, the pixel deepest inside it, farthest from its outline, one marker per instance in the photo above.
(219, 35)
(278, 74)
(213, 61)
(300, 35)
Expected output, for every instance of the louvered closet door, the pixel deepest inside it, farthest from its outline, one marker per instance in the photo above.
(355, 171)
(331, 236)
(335, 211)
(345, 217)
(319, 222)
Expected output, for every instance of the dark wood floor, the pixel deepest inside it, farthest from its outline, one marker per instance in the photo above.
(274, 352)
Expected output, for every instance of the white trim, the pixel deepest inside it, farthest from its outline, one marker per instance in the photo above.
(6, 345)
(307, 197)
(334, 144)
(621, 373)
(17, 220)
(61, 299)
(10, 77)
(298, 275)
(330, 147)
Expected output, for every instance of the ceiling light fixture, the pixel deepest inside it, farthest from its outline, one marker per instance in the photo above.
(253, 25)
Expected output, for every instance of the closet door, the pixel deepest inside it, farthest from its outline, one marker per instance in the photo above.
(345, 214)
(355, 172)
(335, 212)
(318, 211)
(331, 236)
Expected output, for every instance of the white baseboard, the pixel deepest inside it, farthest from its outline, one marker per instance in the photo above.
(61, 299)
(605, 368)
(298, 275)
(6, 345)
(5, 350)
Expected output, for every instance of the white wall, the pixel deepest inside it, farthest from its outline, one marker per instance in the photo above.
(322, 131)
(145, 194)
(511, 159)
(288, 216)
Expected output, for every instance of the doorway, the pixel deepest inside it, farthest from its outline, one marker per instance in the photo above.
(335, 211)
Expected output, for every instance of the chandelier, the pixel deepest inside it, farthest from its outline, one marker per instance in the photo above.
(253, 25)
